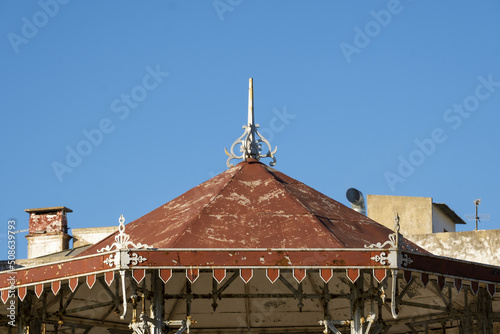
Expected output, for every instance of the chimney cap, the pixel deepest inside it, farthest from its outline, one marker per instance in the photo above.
(49, 209)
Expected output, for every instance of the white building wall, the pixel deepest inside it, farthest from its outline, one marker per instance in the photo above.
(441, 222)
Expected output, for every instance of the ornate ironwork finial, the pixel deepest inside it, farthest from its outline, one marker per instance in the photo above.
(251, 140)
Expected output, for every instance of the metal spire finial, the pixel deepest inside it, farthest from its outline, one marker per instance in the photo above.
(250, 146)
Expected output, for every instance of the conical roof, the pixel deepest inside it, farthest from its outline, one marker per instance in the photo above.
(251, 206)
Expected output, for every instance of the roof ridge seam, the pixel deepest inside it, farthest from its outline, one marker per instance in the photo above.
(326, 227)
(305, 207)
(271, 170)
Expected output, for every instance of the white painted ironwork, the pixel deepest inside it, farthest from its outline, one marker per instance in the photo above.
(396, 239)
(122, 275)
(251, 140)
(121, 259)
(391, 242)
(122, 240)
(394, 294)
(382, 258)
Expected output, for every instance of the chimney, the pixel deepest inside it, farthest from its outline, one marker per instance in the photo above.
(48, 231)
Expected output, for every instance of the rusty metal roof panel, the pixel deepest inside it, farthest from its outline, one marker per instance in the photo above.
(253, 206)
(266, 231)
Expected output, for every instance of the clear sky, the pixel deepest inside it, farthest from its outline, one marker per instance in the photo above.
(112, 107)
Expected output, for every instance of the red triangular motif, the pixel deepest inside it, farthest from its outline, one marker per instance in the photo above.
(408, 276)
(38, 290)
(353, 274)
(424, 278)
(5, 296)
(326, 274)
(91, 280)
(219, 275)
(165, 274)
(379, 274)
(192, 274)
(441, 282)
(139, 274)
(474, 286)
(21, 292)
(109, 276)
(246, 275)
(492, 289)
(56, 286)
(299, 274)
(73, 283)
(273, 274)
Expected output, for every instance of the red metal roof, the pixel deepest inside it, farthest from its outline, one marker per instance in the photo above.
(253, 217)
(252, 205)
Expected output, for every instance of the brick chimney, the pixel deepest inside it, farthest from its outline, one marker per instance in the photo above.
(48, 231)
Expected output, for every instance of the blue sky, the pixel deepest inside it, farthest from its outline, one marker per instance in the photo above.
(390, 97)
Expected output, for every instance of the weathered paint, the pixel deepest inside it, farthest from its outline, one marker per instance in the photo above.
(253, 206)
(261, 258)
(48, 220)
(477, 246)
(48, 229)
(55, 271)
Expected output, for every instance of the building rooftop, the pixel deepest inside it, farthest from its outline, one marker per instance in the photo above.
(49, 209)
(450, 213)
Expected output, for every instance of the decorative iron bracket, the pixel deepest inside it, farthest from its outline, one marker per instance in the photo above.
(122, 258)
(392, 255)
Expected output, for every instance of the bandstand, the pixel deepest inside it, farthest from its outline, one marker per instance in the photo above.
(253, 250)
